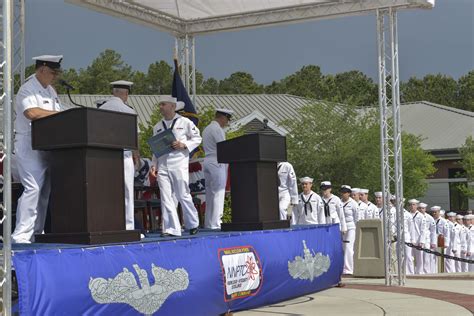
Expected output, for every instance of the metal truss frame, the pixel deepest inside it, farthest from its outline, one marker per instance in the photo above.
(6, 96)
(142, 14)
(391, 146)
(185, 46)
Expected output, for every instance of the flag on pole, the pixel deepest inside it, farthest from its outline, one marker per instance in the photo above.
(179, 92)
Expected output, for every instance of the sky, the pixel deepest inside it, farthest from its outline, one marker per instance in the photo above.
(430, 41)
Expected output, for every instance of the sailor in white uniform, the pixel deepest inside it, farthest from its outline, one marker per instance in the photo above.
(118, 103)
(287, 188)
(351, 214)
(173, 168)
(470, 244)
(310, 208)
(372, 211)
(441, 229)
(333, 211)
(215, 174)
(430, 238)
(464, 243)
(35, 99)
(453, 245)
(361, 206)
(419, 221)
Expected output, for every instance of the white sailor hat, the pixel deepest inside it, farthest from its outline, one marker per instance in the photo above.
(346, 188)
(122, 84)
(413, 201)
(441, 212)
(392, 197)
(435, 208)
(225, 112)
(365, 191)
(167, 99)
(179, 106)
(459, 216)
(306, 180)
(325, 185)
(378, 194)
(469, 216)
(51, 61)
(451, 214)
(355, 190)
(423, 205)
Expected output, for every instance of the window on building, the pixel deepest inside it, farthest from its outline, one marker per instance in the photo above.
(457, 200)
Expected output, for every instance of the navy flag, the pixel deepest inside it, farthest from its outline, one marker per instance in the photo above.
(179, 92)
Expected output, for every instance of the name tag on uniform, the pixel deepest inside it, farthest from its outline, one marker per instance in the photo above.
(45, 101)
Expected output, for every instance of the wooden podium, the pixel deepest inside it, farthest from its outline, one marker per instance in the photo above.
(254, 180)
(87, 202)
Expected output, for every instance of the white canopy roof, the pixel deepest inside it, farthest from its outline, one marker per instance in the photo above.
(181, 17)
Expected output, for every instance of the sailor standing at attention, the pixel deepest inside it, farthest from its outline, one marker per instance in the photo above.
(118, 103)
(215, 174)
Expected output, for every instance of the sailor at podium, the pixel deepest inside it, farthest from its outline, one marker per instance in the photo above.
(35, 99)
(118, 103)
(287, 188)
(215, 174)
(173, 168)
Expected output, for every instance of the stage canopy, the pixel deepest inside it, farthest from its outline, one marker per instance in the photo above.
(193, 17)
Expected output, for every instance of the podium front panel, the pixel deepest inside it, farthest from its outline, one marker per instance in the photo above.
(252, 147)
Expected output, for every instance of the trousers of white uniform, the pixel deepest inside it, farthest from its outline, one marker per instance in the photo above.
(427, 261)
(348, 246)
(129, 174)
(464, 265)
(34, 176)
(215, 176)
(176, 181)
(285, 200)
(449, 264)
(457, 264)
(418, 255)
(410, 269)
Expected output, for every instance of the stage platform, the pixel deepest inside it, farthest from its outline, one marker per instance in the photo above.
(209, 273)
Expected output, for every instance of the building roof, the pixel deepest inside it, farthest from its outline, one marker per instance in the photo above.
(442, 128)
(180, 17)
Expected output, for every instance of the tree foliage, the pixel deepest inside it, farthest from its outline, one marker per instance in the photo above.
(337, 143)
(467, 163)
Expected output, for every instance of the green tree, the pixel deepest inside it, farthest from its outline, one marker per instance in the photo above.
(467, 163)
(159, 78)
(307, 82)
(352, 87)
(466, 92)
(337, 143)
(209, 86)
(108, 67)
(240, 83)
(438, 88)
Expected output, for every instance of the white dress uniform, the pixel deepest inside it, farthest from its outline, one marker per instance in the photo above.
(430, 238)
(215, 175)
(336, 213)
(33, 165)
(463, 235)
(456, 245)
(310, 210)
(449, 264)
(362, 209)
(470, 247)
(288, 188)
(442, 228)
(409, 237)
(116, 104)
(419, 221)
(372, 211)
(351, 214)
(173, 175)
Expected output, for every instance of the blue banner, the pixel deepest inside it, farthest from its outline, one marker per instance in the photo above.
(207, 275)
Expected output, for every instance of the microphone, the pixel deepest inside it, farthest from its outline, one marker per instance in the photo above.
(66, 85)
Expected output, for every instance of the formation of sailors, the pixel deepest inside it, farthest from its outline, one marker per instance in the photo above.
(424, 227)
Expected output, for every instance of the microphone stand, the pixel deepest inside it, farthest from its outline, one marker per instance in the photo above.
(70, 99)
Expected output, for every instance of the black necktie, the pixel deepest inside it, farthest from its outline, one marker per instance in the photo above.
(306, 203)
(326, 207)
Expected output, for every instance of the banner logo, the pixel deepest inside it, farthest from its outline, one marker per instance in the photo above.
(310, 266)
(145, 298)
(241, 270)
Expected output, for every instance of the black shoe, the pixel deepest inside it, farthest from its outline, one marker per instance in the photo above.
(193, 231)
(165, 235)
